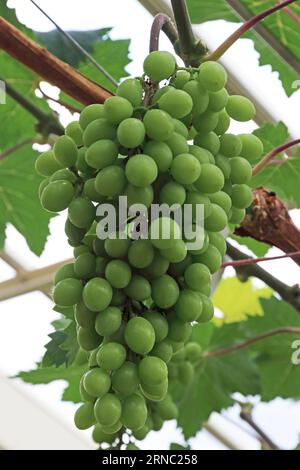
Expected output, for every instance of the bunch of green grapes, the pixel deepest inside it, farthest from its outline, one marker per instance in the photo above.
(136, 301)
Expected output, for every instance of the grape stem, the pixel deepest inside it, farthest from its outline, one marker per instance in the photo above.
(220, 51)
(291, 294)
(247, 262)
(163, 23)
(270, 156)
(268, 334)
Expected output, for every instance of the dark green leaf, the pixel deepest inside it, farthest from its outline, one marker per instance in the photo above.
(175, 446)
(54, 355)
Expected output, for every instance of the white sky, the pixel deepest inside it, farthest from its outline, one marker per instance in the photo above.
(25, 320)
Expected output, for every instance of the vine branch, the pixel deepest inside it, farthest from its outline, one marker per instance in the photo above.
(246, 415)
(291, 294)
(163, 23)
(270, 156)
(249, 24)
(250, 261)
(268, 334)
(49, 67)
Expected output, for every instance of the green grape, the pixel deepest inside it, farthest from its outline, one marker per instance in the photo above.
(118, 298)
(139, 335)
(196, 199)
(108, 410)
(180, 128)
(163, 350)
(84, 416)
(65, 272)
(227, 188)
(155, 392)
(199, 96)
(74, 131)
(131, 133)
(159, 323)
(196, 275)
(160, 92)
(118, 273)
(96, 382)
(178, 103)
(88, 339)
(111, 356)
(209, 141)
(160, 286)
(110, 181)
(141, 254)
(252, 147)
(101, 264)
(64, 174)
(101, 154)
(185, 169)
(179, 330)
(163, 232)
(141, 170)
(223, 163)
(211, 179)
(157, 422)
(81, 163)
(177, 144)
(237, 216)
(172, 193)
(206, 122)
(176, 253)
(97, 294)
(223, 123)
(167, 408)
(241, 170)
(141, 433)
(42, 186)
(221, 199)
(231, 145)
(189, 306)
(117, 109)
(240, 108)
(159, 65)
(201, 154)
(193, 351)
(125, 380)
(65, 151)
(179, 356)
(218, 100)
(57, 196)
(132, 90)
(98, 130)
(134, 412)
(152, 371)
(91, 113)
(100, 437)
(83, 316)
(207, 311)
(138, 289)
(212, 76)
(117, 337)
(74, 234)
(211, 258)
(67, 292)
(186, 372)
(136, 195)
(217, 240)
(182, 77)
(83, 393)
(81, 212)
(46, 164)
(158, 267)
(132, 446)
(89, 191)
(108, 321)
(241, 196)
(161, 154)
(158, 124)
(117, 247)
(85, 265)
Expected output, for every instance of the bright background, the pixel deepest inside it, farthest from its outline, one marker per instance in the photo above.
(24, 321)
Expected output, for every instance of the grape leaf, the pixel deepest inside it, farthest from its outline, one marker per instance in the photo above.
(54, 355)
(60, 46)
(279, 376)
(258, 248)
(216, 378)
(46, 375)
(238, 299)
(283, 28)
(19, 202)
(175, 446)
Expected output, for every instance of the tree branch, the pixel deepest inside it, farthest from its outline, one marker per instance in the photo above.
(268, 334)
(49, 67)
(268, 220)
(290, 294)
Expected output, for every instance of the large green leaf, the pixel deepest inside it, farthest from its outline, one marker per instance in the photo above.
(284, 29)
(19, 202)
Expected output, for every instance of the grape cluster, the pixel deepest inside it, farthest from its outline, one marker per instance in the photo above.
(136, 301)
